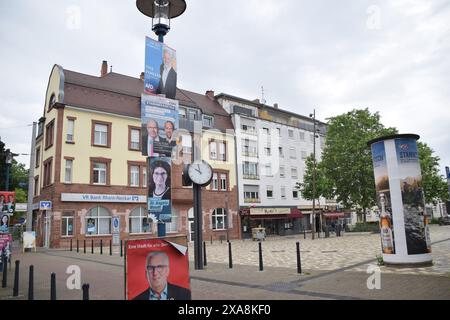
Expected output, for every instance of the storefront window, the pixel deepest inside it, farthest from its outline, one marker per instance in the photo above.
(98, 221)
(139, 223)
(67, 224)
(219, 219)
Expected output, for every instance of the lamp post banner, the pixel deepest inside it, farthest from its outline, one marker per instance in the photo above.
(160, 122)
(160, 69)
(7, 202)
(159, 189)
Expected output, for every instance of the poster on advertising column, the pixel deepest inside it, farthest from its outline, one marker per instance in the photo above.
(159, 120)
(159, 189)
(383, 197)
(7, 202)
(160, 69)
(410, 179)
(157, 269)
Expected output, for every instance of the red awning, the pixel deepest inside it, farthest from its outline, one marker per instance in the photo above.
(295, 213)
(334, 214)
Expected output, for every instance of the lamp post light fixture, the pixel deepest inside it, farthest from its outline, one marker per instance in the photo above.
(161, 11)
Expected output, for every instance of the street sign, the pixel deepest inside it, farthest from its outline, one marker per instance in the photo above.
(45, 205)
(116, 224)
(21, 207)
(22, 220)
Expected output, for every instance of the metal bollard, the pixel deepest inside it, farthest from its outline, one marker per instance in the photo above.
(121, 248)
(16, 279)
(85, 288)
(84, 246)
(78, 246)
(53, 286)
(31, 283)
(204, 254)
(304, 233)
(101, 246)
(230, 256)
(261, 267)
(211, 239)
(70, 244)
(299, 262)
(110, 247)
(5, 270)
(92, 246)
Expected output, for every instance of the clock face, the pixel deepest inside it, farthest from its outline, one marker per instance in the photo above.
(200, 172)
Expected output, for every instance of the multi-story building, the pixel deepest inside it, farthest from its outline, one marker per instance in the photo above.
(89, 162)
(272, 146)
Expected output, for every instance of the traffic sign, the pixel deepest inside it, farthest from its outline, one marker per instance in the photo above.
(45, 205)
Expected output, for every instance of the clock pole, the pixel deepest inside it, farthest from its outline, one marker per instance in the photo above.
(198, 256)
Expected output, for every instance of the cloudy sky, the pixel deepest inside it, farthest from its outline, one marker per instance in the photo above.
(389, 56)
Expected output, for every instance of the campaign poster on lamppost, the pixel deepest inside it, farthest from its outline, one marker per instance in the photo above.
(159, 121)
(383, 198)
(157, 269)
(7, 202)
(160, 69)
(159, 189)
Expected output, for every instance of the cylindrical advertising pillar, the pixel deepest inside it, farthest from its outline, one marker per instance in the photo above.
(405, 237)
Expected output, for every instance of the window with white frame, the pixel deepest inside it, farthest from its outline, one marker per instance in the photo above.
(304, 156)
(68, 171)
(248, 128)
(182, 113)
(295, 194)
(251, 193)
(292, 153)
(144, 176)
(186, 142)
(250, 168)
(282, 174)
(219, 219)
(279, 132)
(139, 221)
(172, 227)
(208, 121)
(302, 136)
(212, 150)
(99, 176)
(98, 221)
(222, 151)
(134, 176)
(268, 170)
(291, 133)
(101, 134)
(135, 139)
(294, 173)
(283, 192)
(280, 151)
(215, 182)
(223, 182)
(249, 147)
(269, 192)
(266, 131)
(70, 130)
(67, 220)
(267, 151)
(192, 114)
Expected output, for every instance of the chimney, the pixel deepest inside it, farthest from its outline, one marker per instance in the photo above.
(104, 70)
(210, 94)
(275, 105)
(256, 101)
(142, 76)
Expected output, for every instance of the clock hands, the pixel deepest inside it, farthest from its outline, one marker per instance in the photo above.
(198, 169)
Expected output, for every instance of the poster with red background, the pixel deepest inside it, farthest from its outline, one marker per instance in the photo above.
(136, 264)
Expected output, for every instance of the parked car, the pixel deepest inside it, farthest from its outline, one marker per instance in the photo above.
(443, 221)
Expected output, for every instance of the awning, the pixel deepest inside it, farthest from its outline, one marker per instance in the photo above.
(295, 213)
(334, 214)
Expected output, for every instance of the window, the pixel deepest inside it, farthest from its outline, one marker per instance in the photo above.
(134, 136)
(51, 102)
(215, 182)
(250, 169)
(98, 221)
(49, 134)
(266, 131)
(267, 151)
(302, 136)
(248, 129)
(251, 194)
(139, 222)
(249, 148)
(186, 142)
(192, 115)
(291, 133)
(172, 227)
(304, 156)
(70, 129)
(67, 224)
(208, 121)
(292, 154)
(268, 169)
(134, 176)
(212, 150)
(38, 156)
(100, 171)
(223, 182)
(269, 192)
(281, 171)
(101, 134)
(48, 172)
(279, 132)
(283, 192)
(222, 151)
(144, 176)
(36, 185)
(280, 151)
(219, 219)
(182, 113)
(294, 173)
(68, 170)
(295, 194)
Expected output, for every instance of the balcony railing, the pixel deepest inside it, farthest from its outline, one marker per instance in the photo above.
(249, 154)
(251, 176)
(252, 200)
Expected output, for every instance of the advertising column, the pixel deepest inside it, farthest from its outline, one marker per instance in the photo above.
(398, 180)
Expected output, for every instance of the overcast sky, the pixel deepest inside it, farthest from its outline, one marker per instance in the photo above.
(389, 56)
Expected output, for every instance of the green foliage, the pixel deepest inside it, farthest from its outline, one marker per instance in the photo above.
(18, 176)
(347, 161)
(324, 187)
(434, 185)
(21, 195)
(366, 227)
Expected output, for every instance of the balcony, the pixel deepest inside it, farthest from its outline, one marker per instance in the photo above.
(252, 200)
(251, 176)
(249, 154)
(249, 131)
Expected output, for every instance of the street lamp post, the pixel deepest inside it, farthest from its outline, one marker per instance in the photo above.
(161, 11)
(313, 116)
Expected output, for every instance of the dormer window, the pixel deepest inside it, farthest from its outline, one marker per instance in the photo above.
(208, 121)
(51, 102)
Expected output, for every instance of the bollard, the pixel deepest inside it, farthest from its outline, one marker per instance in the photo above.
(70, 244)
(53, 286)
(5, 270)
(211, 239)
(261, 267)
(84, 246)
(220, 240)
(101, 246)
(92, 246)
(327, 232)
(304, 233)
(78, 246)
(204, 254)
(121, 248)
(31, 283)
(110, 247)
(16, 279)
(85, 288)
(299, 262)
(230, 257)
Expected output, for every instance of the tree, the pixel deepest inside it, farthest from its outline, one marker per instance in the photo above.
(347, 160)
(434, 185)
(2, 165)
(18, 176)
